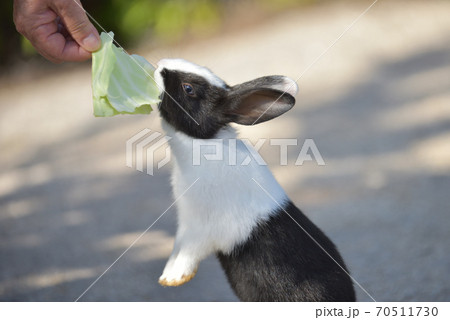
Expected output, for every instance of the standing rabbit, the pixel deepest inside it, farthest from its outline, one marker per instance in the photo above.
(269, 249)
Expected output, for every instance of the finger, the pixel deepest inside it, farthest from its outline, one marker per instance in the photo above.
(77, 24)
(54, 46)
(73, 52)
(69, 49)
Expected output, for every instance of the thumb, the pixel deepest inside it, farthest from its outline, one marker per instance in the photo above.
(77, 24)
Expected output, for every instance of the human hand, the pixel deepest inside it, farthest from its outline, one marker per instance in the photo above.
(58, 29)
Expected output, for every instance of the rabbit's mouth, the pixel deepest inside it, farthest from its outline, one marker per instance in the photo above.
(161, 98)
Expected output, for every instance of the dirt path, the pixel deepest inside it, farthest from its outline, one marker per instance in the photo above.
(377, 106)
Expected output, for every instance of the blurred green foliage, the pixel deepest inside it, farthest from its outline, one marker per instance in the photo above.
(166, 21)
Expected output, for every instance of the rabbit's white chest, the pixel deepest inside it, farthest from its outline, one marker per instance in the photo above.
(225, 203)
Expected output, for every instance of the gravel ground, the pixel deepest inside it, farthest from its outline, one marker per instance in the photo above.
(377, 105)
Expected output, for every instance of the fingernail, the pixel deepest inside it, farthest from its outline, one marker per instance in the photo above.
(91, 43)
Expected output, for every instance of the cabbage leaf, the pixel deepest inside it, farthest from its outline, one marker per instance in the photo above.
(121, 83)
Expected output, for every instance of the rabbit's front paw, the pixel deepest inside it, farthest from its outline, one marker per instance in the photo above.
(172, 278)
(178, 271)
(168, 281)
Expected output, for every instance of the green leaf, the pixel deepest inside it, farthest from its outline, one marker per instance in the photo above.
(121, 84)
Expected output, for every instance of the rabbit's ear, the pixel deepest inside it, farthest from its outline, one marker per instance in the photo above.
(261, 99)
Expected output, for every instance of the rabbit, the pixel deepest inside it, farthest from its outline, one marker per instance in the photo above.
(269, 250)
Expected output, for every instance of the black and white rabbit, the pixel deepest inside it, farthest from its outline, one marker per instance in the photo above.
(269, 250)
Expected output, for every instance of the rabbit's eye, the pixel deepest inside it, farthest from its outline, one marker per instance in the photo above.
(188, 89)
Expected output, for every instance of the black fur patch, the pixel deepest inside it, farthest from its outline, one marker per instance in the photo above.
(280, 262)
(204, 107)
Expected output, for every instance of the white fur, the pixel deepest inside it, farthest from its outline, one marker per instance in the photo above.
(188, 67)
(158, 79)
(222, 208)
